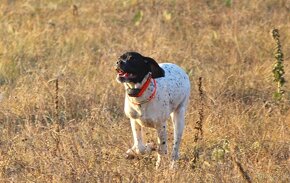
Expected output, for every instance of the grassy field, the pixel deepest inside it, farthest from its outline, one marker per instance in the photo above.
(61, 110)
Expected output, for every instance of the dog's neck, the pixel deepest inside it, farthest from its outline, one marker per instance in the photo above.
(137, 85)
(148, 92)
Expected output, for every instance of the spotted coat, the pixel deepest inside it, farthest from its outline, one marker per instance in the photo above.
(172, 95)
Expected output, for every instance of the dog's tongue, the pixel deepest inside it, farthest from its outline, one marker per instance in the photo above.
(123, 74)
(126, 74)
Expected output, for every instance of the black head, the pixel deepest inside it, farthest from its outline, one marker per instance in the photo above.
(133, 67)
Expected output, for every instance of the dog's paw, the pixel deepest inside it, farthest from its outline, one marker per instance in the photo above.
(159, 162)
(140, 150)
(151, 145)
(130, 154)
(173, 165)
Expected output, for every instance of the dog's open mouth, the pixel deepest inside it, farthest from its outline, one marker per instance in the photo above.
(124, 74)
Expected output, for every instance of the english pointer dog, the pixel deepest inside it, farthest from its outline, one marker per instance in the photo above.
(154, 92)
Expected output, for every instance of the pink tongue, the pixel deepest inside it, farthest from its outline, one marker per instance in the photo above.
(124, 74)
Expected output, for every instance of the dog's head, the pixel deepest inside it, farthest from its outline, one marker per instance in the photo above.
(132, 67)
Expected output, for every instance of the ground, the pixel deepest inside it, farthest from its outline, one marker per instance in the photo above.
(61, 110)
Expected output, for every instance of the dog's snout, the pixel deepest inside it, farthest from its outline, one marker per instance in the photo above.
(119, 62)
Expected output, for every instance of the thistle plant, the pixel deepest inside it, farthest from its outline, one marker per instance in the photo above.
(198, 124)
(278, 70)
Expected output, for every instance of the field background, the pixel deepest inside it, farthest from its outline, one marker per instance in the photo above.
(77, 42)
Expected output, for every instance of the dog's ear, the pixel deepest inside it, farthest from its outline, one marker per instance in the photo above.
(155, 69)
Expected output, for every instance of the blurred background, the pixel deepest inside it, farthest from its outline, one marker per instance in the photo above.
(61, 109)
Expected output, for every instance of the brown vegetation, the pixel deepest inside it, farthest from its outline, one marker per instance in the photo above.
(83, 135)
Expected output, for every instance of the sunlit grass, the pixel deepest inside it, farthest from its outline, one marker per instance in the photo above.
(227, 43)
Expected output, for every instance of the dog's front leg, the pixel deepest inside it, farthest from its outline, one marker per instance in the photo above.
(138, 147)
(162, 143)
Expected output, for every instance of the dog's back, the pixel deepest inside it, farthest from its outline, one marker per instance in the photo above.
(175, 85)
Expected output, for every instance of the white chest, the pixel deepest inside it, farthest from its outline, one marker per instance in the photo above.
(142, 115)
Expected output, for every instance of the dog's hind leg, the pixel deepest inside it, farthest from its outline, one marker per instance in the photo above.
(178, 123)
(162, 143)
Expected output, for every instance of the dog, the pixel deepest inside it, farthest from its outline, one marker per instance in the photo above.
(154, 92)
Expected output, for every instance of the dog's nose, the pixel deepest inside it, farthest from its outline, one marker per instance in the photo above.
(119, 62)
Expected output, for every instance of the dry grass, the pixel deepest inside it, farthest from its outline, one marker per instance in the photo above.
(226, 42)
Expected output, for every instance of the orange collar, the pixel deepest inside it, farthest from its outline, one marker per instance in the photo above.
(143, 88)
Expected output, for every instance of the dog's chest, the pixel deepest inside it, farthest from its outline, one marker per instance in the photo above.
(144, 116)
